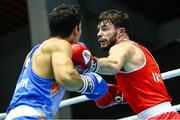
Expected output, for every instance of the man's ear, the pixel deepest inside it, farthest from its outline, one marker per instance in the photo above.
(76, 30)
(121, 31)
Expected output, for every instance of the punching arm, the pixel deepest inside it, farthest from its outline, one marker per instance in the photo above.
(118, 55)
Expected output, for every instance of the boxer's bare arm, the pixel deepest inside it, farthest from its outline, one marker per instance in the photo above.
(112, 64)
(64, 72)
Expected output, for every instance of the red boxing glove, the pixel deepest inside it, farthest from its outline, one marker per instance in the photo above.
(81, 56)
(112, 97)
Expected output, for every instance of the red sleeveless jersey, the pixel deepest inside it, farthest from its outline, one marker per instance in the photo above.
(144, 87)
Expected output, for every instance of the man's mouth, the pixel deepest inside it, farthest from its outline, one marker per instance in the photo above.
(101, 40)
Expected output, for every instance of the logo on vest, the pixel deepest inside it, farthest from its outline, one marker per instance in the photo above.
(22, 83)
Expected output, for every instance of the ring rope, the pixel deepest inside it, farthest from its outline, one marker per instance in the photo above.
(83, 98)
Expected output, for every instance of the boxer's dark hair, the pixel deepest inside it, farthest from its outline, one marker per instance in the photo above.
(63, 19)
(116, 17)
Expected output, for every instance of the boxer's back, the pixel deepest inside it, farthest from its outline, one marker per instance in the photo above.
(30, 85)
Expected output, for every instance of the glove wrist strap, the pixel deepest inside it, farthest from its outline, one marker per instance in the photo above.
(97, 65)
(88, 86)
(94, 67)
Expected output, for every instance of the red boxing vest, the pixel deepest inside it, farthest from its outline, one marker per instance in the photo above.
(144, 87)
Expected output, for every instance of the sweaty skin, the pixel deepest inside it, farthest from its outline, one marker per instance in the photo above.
(47, 63)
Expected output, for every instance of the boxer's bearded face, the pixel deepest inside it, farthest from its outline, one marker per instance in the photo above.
(106, 35)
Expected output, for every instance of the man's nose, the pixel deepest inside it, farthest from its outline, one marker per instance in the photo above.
(99, 34)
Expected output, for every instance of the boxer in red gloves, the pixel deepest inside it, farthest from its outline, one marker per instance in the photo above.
(135, 69)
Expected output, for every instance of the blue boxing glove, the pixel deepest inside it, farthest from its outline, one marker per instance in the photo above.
(94, 87)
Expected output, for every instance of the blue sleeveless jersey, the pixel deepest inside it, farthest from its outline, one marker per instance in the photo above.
(35, 91)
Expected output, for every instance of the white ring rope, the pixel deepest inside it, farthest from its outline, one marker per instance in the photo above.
(70, 101)
(170, 74)
(82, 98)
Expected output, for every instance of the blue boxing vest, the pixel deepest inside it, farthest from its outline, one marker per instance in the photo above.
(36, 91)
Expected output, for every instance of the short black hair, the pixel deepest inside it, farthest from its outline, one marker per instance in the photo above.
(63, 19)
(116, 17)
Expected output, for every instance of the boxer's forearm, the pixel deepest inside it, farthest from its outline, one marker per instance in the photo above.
(107, 66)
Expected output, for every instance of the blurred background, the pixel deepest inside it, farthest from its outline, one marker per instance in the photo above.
(23, 23)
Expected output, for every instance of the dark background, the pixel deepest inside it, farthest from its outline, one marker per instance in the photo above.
(155, 24)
